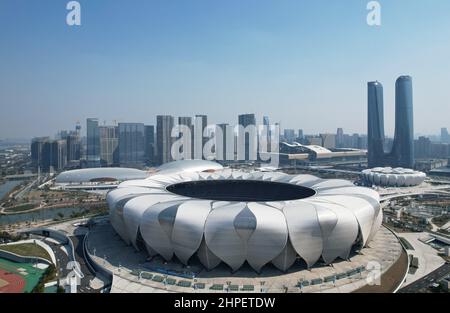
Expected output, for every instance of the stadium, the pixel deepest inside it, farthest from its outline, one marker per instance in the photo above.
(393, 177)
(197, 209)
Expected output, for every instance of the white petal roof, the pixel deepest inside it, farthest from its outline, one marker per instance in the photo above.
(324, 225)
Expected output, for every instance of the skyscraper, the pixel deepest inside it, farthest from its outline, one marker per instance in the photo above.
(445, 137)
(54, 155)
(403, 149)
(37, 146)
(340, 138)
(149, 144)
(164, 125)
(73, 147)
(131, 144)
(289, 135)
(246, 139)
(93, 143)
(402, 153)
(109, 142)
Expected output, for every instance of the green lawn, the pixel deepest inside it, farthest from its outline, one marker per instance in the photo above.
(21, 208)
(27, 249)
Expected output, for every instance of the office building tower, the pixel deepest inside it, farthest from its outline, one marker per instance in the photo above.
(289, 135)
(340, 138)
(131, 144)
(402, 152)
(109, 143)
(328, 141)
(445, 137)
(375, 130)
(149, 144)
(54, 155)
(73, 147)
(164, 125)
(93, 143)
(247, 137)
(422, 147)
(37, 146)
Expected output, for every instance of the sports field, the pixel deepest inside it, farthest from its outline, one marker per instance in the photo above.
(18, 277)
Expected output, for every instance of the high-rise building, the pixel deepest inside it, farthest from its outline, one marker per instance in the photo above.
(164, 125)
(149, 144)
(375, 130)
(289, 135)
(445, 136)
(93, 143)
(109, 143)
(402, 153)
(328, 141)
(131, 144)
(340, 138)
(422, 147)
(73, 147)
(246, 139)
(54, 155)
(300, 134)
(37, 146)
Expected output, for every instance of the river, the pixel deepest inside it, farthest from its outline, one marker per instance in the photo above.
(8, 186)
(39, 215)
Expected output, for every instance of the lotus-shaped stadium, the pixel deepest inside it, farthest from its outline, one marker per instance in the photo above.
(236, 217)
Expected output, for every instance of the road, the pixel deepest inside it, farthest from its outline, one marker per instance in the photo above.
(88, 275)
(427, 280)
(61, 258)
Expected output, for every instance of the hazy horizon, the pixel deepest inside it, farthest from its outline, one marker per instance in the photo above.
(304, 64)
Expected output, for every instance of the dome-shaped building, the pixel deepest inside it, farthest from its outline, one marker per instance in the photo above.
(393, 177)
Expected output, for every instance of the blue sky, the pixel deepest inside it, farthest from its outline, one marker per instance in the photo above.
(304, 63)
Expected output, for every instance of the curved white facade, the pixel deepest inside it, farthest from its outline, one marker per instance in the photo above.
(89, 174)
(325, 225)
(393, 177)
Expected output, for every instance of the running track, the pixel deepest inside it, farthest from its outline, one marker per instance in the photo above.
(16, 283)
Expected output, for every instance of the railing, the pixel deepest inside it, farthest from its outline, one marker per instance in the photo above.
(57, 235)
(22, 259)
(97, 268)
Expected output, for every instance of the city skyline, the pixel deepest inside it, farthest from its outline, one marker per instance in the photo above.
(301, 63)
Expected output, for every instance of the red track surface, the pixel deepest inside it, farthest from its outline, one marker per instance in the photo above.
(16, 282)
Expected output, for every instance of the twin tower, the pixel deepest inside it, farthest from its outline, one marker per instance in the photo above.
(402, 152)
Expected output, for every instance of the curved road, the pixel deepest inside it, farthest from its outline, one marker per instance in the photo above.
(427, 280)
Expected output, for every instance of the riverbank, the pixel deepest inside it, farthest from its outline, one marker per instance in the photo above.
(44, 217)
